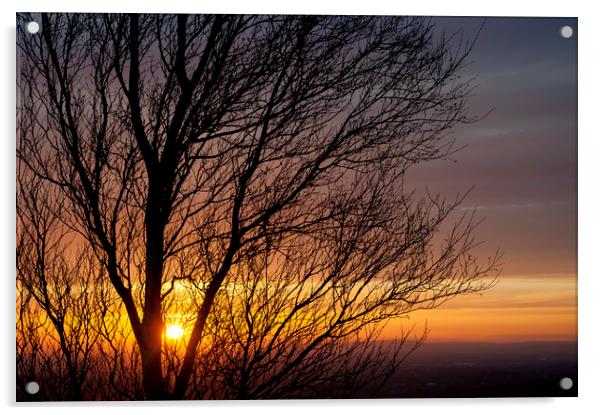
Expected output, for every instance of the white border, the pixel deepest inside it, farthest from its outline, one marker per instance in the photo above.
(590, 200)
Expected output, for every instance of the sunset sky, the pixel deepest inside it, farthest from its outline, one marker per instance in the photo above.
(255, 206)
(522, 161)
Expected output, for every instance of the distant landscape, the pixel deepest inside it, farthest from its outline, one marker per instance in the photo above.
(467, 370)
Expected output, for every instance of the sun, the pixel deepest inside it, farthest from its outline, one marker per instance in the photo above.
(174, 331)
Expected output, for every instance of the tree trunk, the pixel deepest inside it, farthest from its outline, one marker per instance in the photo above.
(152, 324)
(152, 374)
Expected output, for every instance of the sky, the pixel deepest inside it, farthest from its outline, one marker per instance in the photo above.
(522, 161)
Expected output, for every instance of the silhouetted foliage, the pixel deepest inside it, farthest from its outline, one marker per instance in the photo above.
(244, 177)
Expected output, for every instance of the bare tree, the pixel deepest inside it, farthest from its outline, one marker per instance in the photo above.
(59, 281)
(248, 173)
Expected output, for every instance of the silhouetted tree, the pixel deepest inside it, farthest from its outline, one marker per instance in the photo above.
(247, 174)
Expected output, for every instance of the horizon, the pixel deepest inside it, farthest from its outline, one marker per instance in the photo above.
(250, 206)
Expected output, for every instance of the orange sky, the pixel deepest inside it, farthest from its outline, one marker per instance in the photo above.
(534, 307)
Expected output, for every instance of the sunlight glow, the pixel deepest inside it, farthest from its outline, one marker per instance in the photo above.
(174, 331)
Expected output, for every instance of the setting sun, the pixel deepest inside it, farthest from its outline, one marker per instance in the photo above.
(308, 206)
(174, 331)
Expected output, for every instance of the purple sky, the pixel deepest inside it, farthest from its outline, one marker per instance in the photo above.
(522, 158)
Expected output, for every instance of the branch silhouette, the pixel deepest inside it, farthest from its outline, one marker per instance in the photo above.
(244, 176)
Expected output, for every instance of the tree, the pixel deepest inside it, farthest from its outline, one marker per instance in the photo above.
(249, 171)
